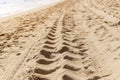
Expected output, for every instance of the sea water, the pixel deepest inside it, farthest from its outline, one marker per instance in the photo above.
(8, 7)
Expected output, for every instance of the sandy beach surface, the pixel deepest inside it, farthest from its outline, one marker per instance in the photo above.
(69, 40)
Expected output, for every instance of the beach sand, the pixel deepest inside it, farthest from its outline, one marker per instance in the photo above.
(69, 40)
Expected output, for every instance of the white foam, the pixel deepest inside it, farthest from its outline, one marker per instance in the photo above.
(8, 7)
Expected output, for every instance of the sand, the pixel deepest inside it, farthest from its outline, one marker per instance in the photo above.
(71, 40)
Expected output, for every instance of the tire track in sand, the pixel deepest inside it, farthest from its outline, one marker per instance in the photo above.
(62, 57)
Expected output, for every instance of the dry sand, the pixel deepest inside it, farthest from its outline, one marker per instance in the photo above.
(73, 40)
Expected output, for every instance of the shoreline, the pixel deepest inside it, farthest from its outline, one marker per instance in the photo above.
(21, 13)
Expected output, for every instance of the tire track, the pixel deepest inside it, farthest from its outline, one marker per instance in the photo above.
(60, 56)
